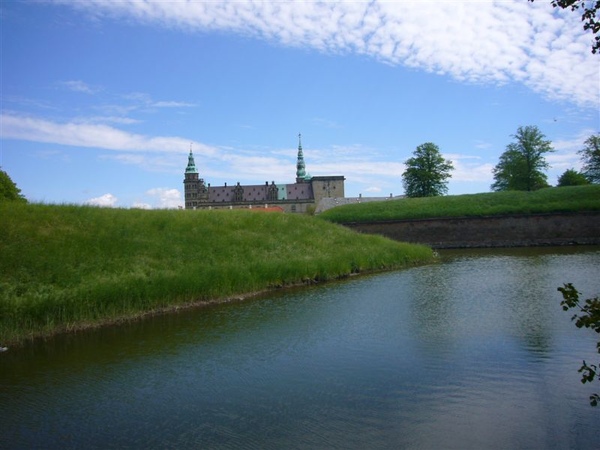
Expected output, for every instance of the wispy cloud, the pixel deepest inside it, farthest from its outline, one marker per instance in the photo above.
(108, 119)
(172, 104)
(573, 144)
(490, 41)
(143, 100)
(92, 135)
(78, 86)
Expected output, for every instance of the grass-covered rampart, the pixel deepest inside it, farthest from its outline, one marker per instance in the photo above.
(64, 267)
(564, 199)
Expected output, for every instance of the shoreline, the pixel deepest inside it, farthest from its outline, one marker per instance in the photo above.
(67, 268)
(175, 308)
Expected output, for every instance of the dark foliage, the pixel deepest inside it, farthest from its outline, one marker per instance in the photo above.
(426, 172)
(9, 190)
(571, 177)
(590, 155)
(589, 317)
(588, 11)
(521, 165)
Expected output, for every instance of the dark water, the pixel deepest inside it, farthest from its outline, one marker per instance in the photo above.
(474, 352)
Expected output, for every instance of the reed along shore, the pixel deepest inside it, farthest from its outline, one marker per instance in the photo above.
(66, 267)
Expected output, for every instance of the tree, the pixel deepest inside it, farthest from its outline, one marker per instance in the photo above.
(520, 167)
(590, 155)
(426, 172)
(9, 190)
(590, 318)
(588, 17)
(571, 177)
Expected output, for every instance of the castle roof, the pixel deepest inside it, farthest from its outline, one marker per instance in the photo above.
(300, 165)
(191, 166)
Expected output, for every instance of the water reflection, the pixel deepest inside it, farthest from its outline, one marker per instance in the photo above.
(473, 352)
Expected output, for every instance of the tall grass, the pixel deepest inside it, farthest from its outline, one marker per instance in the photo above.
(62, 267)
(564, 199)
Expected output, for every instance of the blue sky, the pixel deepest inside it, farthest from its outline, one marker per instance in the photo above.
(101, 100)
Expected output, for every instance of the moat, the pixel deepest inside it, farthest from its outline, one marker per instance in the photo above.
(473, 352)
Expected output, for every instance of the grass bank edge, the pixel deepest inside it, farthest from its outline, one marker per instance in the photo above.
(66, 267)
(550, 200)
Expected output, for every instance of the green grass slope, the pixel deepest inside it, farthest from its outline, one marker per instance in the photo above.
(564, 199)
(63, 267)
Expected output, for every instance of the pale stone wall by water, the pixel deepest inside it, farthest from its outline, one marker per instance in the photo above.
(492, 231)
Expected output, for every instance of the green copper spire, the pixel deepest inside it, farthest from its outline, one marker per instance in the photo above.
(300, 166)
(191, 166)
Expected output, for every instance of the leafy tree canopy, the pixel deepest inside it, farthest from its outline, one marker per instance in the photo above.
(8, 189)
(426, 172)
(588, 10)
(590, 155)
(521, 165)
(571, 177)
(589, 318)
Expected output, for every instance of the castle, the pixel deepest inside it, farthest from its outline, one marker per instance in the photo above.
(298, 197)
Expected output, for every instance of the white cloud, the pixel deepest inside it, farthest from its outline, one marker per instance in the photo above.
(92, 135)
(109, 119)
(107, 200)
(172, 104)
(78, 86)
(140, 205)
(143, 100)
(167, 198)
(563, 161)
(573, 144)
(494, 41)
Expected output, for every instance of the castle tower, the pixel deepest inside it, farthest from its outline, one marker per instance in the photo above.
(195, 190)
(190, 183)
(300, 166)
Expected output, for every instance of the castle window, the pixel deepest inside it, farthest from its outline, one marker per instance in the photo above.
(238, 193)
(272, 193)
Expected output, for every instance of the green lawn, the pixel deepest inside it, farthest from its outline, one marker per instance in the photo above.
(564, 199)
(63, 267)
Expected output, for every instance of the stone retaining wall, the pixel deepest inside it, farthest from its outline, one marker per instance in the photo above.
(492, 231)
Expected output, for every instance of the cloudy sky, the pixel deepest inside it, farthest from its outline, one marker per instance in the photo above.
(101, 100)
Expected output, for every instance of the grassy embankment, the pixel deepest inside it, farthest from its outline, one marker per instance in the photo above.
(66, 267)
(564, 199)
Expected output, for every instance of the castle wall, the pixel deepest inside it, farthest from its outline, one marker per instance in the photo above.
(327, 187)
(299, 206)
(492, 231)
(296, 197)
